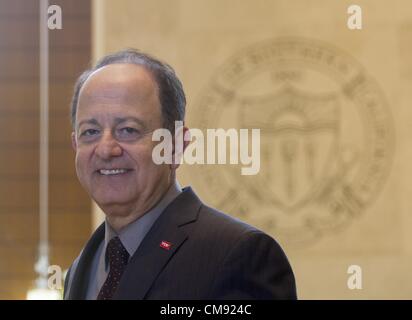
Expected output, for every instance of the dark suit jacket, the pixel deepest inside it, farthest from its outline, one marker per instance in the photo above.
(212, 256)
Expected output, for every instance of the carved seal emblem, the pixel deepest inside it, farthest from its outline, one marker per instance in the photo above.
(326, 137)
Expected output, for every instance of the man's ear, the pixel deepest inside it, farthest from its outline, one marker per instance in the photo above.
(184, 136)
(74, 143)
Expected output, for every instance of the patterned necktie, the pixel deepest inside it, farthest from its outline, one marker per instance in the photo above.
(118, 257)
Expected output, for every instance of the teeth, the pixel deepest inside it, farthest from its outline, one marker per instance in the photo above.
(107, 172)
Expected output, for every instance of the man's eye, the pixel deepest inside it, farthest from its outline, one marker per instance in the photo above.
(90, 132)
(128, 130)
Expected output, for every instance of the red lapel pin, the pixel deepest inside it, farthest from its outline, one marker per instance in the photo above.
(165, 245)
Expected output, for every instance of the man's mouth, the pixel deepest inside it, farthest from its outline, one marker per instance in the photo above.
(111, 172)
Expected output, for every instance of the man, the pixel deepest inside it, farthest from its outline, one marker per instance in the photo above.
(158, 241)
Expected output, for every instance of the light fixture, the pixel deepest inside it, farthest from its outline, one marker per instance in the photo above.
(41, 290)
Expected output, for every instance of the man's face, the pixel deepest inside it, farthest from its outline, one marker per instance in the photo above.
(117, 111)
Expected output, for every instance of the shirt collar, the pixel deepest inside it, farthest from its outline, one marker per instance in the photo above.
(132, 235)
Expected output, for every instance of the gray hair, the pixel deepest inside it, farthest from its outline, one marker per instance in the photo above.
(171, 95)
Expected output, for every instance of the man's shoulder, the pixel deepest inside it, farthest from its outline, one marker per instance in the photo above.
(69, 276)
(224, 220)
(216, 225)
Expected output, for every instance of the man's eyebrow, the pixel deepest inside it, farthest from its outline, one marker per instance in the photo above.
(131, 118)
(89, 121)
(116, 121)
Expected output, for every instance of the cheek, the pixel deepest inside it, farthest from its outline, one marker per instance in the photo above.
(141, 154)
(79, 160)
(82, 163)
(79, 168)
(145, 166)
(147, 169)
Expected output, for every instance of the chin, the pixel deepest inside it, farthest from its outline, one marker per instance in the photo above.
(110, 199)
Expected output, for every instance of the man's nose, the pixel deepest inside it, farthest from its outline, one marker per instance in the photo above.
(108, 147)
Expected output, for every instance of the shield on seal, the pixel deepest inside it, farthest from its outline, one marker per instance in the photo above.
(299, 144)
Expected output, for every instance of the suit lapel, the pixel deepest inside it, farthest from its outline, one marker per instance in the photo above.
(151, 256)
(81, 274)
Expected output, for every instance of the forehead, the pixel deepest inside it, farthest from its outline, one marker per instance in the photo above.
(124, 85)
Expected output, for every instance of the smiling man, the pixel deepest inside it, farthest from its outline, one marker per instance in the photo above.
(158, 241)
